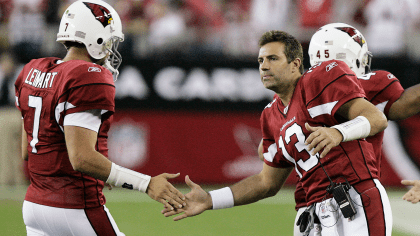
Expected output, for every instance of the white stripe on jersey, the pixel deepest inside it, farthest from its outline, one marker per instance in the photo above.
(272, 150)
(59, 108)
(90, 119)
(322, 109)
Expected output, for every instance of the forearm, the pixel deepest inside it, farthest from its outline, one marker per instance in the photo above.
(93, 164)
(254, 188)
(360, 107)
(407, 105)
(377, 121)
(84, 158)
(251, 190)
(98, 166)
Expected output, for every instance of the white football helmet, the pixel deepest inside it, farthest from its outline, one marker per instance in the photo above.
(343, 42)
(97, 25)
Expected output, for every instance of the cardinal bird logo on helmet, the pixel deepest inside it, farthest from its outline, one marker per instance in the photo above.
(353, 33)
(101, 14)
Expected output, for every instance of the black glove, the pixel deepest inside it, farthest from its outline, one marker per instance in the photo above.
(306, 220)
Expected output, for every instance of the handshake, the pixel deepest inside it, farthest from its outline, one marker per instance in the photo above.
(191, 204)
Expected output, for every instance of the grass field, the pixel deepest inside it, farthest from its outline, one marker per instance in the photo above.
(137, 214)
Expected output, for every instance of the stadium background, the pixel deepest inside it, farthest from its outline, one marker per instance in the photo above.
(189, 99)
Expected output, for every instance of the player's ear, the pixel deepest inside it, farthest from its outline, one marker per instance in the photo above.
(296, 64)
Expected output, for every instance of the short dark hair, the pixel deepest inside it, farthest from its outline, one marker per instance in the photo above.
(69, 44)
(292, 47)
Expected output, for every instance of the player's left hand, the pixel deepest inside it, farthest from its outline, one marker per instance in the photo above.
(413, 195)
(322, 138)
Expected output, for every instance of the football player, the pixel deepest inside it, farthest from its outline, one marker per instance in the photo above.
(67, 107)
(383, 89)
(316, 126)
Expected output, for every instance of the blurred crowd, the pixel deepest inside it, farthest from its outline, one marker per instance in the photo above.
(198, 29)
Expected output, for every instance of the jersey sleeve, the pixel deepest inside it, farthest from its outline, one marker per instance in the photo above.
(89, 97)
(86, 88)
(327, 87)
(395, 90)
(18, 87)
(382, 89)
(272, 156)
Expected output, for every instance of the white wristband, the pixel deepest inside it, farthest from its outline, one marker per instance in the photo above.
(126, 178)
(354, 129)
(222, 198)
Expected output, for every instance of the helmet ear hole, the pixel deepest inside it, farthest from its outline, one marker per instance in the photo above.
(357, 63)
(100, 41)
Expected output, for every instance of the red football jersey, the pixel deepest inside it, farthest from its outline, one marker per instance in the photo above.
(382, 89)
(316, 98)
(46, 91)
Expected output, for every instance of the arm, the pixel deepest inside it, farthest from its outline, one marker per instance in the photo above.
(409, 102)
(82, 154)
(265, 184)
(24, 144)
(84, 158)
(329, 137)
(361, 107)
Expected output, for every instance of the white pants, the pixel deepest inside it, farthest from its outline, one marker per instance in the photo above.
(374, 216)
(53, 221)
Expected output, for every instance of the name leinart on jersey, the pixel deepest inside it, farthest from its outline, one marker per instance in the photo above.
(40, 79)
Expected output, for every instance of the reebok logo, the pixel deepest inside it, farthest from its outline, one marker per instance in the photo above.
(94, 69)
(331, 65)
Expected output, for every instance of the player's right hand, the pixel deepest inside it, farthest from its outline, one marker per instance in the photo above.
(164, 192)
(322, 139)
(197, 200)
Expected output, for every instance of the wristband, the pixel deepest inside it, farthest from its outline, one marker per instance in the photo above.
(354, 129)
(222, 198)
(126, 178)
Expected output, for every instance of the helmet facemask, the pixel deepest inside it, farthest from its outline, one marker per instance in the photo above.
(114, 59)
(367, 62)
